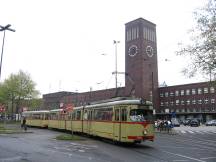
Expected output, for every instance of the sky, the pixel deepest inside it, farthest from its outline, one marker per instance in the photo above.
(67, 45)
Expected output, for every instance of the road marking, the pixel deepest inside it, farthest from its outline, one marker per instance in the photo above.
(184, 156)
(208, 158)
(183, 131)
(191, 132)
(200, 132)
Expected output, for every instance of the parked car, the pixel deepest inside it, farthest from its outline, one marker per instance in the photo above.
(186, 122)
(211, 123)
(175, 123)
(194, 123)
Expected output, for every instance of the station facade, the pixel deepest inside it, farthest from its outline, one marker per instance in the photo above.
(141, 81)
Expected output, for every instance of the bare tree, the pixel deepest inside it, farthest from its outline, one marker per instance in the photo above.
(202, 49)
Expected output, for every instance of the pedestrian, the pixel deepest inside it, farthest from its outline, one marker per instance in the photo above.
(169, 125)
(24, 126)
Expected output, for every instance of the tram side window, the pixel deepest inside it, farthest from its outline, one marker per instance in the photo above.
(36, 116)
(103, 114)
(54, 116)
(46, 116)
(63, 116)
(116, 114)
(73, 115)
(90, 115)
(124, 115)
(78, 115)
(85, 116)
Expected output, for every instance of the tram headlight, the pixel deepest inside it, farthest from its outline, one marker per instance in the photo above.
(145, 132)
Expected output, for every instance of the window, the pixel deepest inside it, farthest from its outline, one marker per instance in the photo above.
(162, 104)
(212, 90)
(176, 93)
(161, 95)
(188, 92)
(171, 103)
(78, 115)
(182, 102)
(116, 114)
(212, 100)
(199, 101)
(177, 102)
(166, 94)
(199, 91)
(171, 94)
(193, 91)
(73, 115)
(182, 92)
(85, 115)
(104, 114)
(124, 115)
(166, 103)
(193, 102)
(205, 90)
(188, 102)
(141, 115)
(206, 101)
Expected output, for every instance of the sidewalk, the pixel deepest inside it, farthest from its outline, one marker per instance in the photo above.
(14, 128)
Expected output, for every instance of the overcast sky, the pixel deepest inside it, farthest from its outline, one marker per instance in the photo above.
(60, 42)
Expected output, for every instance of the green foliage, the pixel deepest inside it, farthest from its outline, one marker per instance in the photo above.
(17, 89)
(202, 49)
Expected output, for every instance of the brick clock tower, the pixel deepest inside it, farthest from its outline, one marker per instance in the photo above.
(141, 79)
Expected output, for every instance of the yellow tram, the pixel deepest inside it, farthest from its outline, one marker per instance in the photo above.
(124, 120)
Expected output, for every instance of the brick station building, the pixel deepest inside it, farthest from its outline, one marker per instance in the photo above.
(141, 80)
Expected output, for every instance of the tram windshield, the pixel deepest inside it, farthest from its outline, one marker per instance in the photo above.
(138, 115)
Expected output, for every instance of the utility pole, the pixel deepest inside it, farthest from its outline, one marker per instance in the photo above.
(116, 70)
(4, 28)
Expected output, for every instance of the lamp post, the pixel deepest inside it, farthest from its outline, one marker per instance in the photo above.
(4, 28)
(116, 71)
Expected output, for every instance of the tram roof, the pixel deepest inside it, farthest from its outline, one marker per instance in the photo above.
(121, 102)
(56, 110)
(36, 112)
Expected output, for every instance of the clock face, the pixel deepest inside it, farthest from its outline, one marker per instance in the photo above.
(132, 50)
(149, 51)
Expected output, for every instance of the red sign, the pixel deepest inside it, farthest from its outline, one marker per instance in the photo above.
(69, 107)
(2, 108)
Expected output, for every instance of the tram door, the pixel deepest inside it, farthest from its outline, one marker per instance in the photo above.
(116, 126)
(123, 125)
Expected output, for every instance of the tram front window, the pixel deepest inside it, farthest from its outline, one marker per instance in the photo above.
(139, 115)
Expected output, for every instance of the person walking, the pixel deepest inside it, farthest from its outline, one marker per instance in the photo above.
(24, 126)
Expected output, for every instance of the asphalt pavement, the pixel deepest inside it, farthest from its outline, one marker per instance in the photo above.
(40, 146)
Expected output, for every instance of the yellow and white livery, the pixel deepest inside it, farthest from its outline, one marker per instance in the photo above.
(123, 120)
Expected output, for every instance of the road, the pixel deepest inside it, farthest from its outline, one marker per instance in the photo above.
(40, 146)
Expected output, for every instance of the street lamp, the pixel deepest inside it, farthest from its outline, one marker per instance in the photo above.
(4, 28)
(116, 72)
